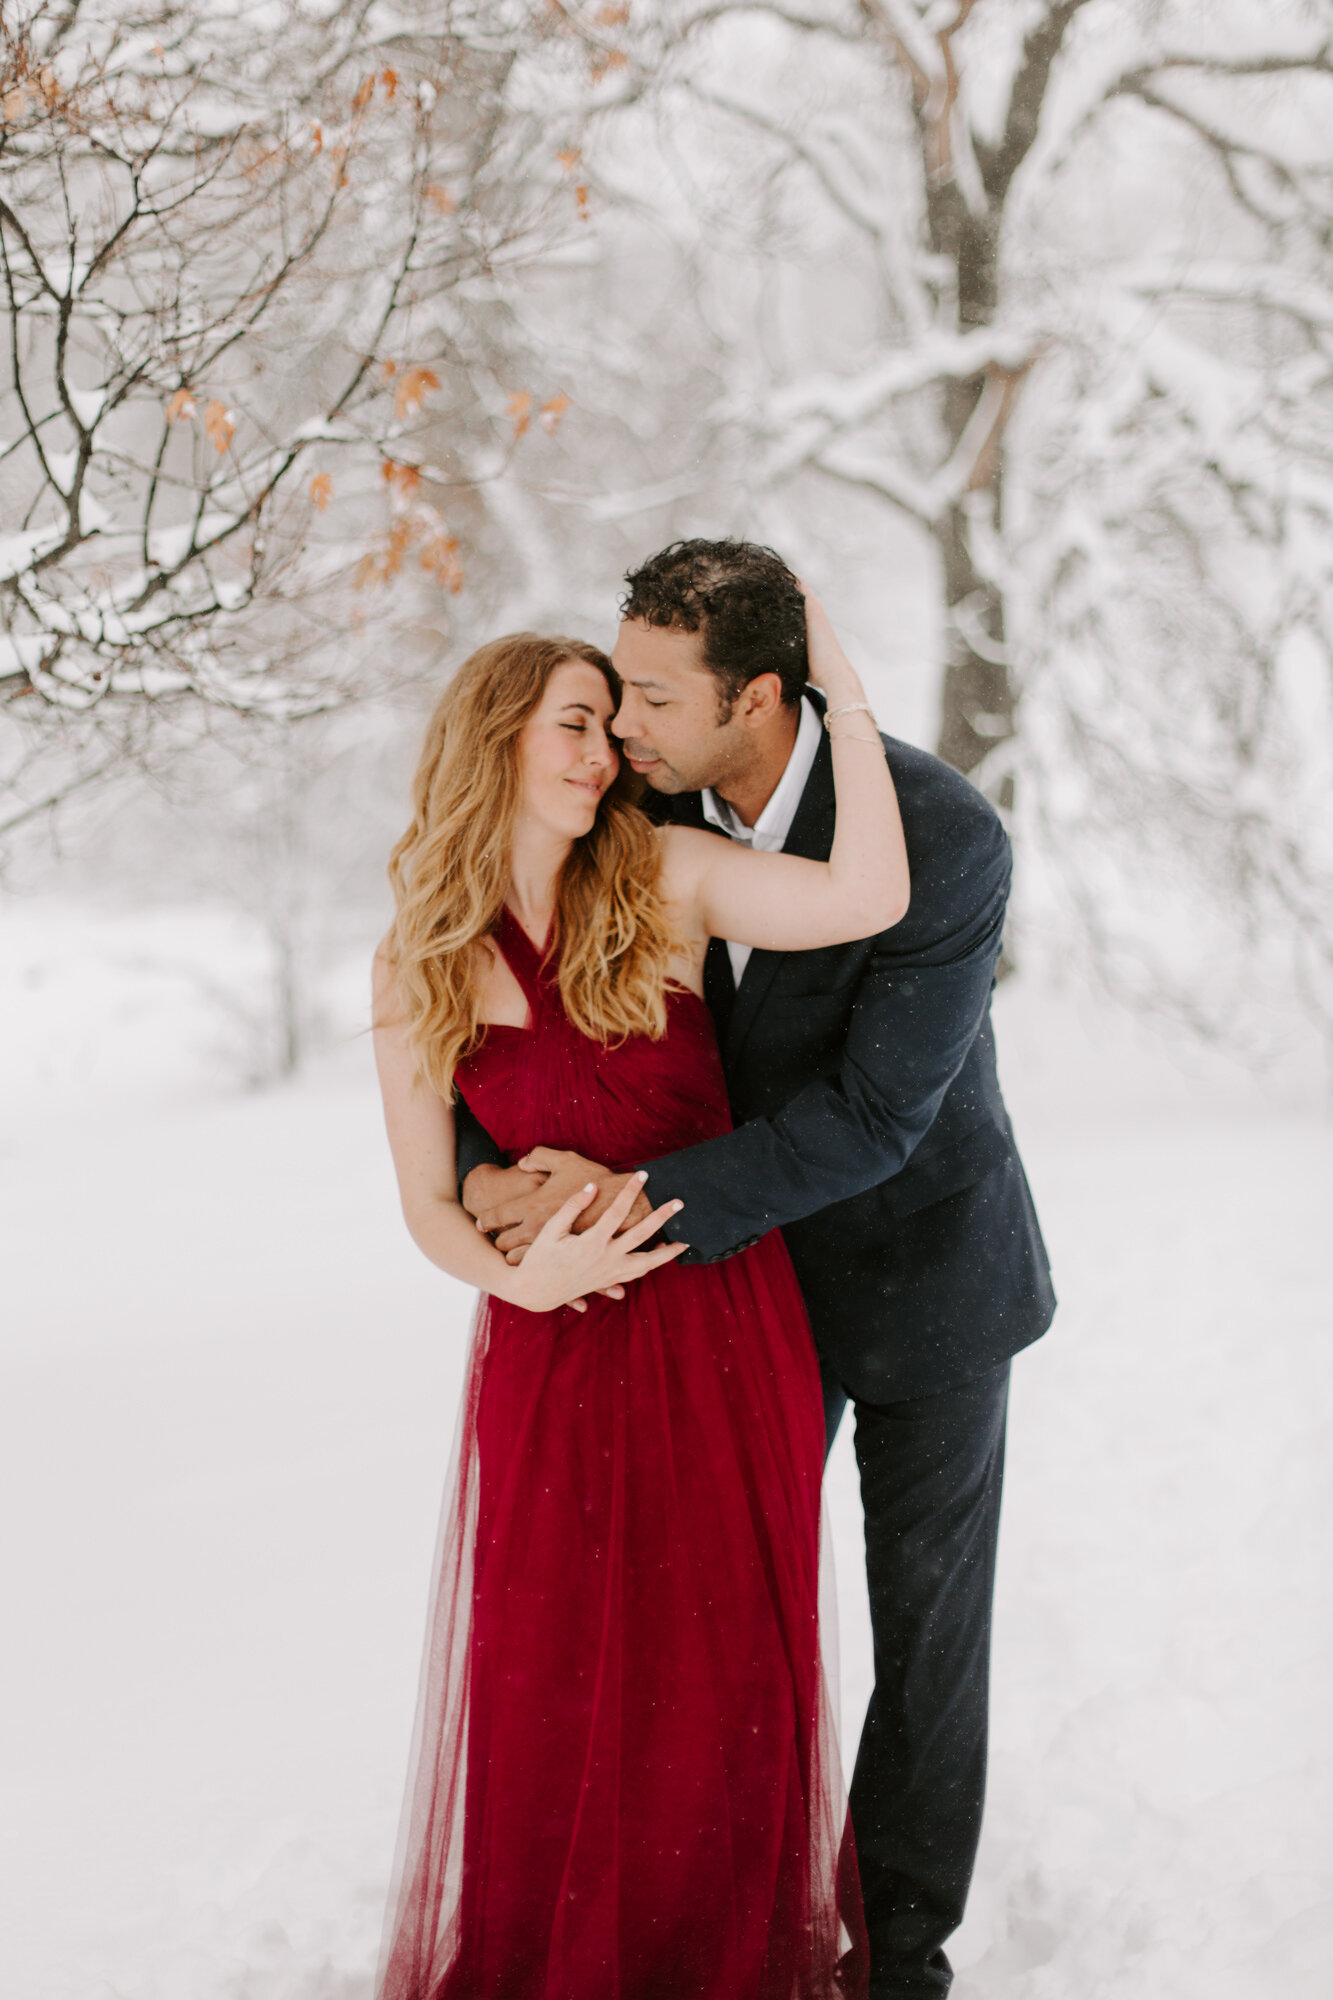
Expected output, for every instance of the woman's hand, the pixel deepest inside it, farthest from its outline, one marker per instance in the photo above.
(788, 902)
(830, 668)
(560, 1268)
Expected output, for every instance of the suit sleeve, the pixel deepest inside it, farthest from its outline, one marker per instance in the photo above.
(917, 1010)
(473, 1143)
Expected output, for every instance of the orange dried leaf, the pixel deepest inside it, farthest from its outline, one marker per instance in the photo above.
(413, 389)
(390, 369)
(406, 478)
(364, 94)
(316, 137)
(384, 561)
(14, 103)
(439, 558)
(400, 539)
(389, 78)
(581, 196)
(551, 412)
(159, 52)
(519, 411)
(440, 199)
(179, 405)
(614, 15)
(570, 157)
(321, 490)
(219, 425)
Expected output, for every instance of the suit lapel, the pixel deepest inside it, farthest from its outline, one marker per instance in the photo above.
(811, 836)
(719, 985)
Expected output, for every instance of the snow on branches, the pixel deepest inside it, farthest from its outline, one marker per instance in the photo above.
(236, 275)
(1069, 309)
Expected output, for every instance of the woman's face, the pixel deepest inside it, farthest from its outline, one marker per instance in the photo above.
(566, 755)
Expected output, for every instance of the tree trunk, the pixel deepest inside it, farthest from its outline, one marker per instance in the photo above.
(287, 1007)
(977, 701)
(977, 698)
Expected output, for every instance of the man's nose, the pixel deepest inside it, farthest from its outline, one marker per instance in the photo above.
(621, 724)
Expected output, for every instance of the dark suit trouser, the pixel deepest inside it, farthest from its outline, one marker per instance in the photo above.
(931, 1471)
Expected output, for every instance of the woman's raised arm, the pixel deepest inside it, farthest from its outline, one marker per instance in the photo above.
(783, 902)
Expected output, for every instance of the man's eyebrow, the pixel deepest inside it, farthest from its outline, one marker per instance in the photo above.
(645, 684)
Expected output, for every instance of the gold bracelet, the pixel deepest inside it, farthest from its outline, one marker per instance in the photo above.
(848, 708)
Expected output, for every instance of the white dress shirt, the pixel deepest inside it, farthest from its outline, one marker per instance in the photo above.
(770, 830)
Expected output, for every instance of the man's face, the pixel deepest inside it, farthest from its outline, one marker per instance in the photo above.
(668, 719)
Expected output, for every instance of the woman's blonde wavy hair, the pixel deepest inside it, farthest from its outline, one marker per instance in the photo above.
(450, 872)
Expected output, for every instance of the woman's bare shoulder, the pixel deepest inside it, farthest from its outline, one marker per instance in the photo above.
(685, 850)
(386, 995)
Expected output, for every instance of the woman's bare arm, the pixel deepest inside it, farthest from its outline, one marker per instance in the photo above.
(783, 902)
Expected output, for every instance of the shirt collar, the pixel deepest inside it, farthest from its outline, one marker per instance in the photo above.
(775, 821)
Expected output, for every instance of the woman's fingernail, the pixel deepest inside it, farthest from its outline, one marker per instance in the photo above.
(590, 1188)
(642, 1174)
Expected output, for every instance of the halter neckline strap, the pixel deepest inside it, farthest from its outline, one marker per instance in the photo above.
(521, 955)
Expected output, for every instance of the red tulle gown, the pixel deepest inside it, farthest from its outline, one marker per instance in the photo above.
(625, 1782)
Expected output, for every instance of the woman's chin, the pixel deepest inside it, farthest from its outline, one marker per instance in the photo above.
(583, 818)
(570, 819)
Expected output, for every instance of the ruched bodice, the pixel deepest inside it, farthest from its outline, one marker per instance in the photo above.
(547, 1084)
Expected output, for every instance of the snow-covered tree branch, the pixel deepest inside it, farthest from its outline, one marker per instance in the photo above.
(1066, 310)
(239, 276)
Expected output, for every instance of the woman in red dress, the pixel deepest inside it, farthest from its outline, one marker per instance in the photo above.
(625, 1783)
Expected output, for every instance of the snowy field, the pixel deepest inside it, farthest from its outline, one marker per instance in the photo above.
(228, 1404)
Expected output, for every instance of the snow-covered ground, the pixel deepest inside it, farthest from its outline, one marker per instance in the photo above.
(228, 1404)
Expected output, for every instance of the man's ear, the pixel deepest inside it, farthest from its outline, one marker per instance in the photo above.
(759, 700)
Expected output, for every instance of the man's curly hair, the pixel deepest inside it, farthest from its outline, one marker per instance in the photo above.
(744, 601)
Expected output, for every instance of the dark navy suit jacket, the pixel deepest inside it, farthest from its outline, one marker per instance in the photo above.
(870, 1126)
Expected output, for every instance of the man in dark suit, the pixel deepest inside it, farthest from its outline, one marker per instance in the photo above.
(870, 1128)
